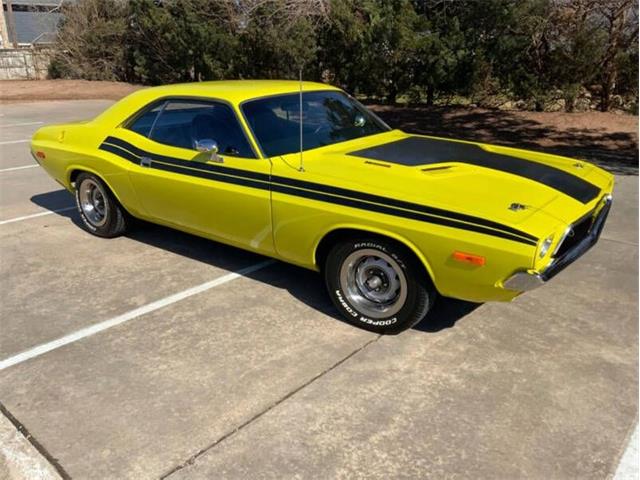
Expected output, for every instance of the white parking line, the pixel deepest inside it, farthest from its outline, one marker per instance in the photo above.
(41, 214)
(628, 467)
(120, 319)
(25, 124)
(9, 142)
(18, 168)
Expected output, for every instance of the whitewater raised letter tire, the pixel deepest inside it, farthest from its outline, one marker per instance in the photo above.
(293, 170)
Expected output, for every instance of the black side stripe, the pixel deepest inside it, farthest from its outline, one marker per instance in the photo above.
(120, 152)
(318, 192)
(176, 161)
(399, 213)
(244, 182)
(184, 167)
(367, 197)
(347, 202)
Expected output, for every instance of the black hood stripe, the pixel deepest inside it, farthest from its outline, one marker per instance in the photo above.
(413, 151)
(317, 191)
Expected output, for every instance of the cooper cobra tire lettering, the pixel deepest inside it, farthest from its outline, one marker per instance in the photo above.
(389, 321)
(345, 305)
(362, 318)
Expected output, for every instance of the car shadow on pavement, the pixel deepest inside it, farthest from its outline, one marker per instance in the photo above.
(445, 313)
(55, 200)
(304, 285)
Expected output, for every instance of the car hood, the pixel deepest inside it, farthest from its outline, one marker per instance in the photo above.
(535, 192)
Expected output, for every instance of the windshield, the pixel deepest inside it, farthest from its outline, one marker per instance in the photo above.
(327, 118)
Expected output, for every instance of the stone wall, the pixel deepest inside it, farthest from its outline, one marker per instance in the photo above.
(24, 63)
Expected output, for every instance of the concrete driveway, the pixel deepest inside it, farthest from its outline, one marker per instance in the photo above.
(160, 354)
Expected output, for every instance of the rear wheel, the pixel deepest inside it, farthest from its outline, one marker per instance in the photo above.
(99, 210)
(377, 284)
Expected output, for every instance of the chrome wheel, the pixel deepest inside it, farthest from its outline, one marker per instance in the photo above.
(93, 202)
(374, 283)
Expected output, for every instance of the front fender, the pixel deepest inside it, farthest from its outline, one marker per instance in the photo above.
(376, 231)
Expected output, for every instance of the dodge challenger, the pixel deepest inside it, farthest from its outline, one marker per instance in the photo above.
(304, 173)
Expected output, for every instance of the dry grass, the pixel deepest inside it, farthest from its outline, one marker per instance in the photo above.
(34, 90)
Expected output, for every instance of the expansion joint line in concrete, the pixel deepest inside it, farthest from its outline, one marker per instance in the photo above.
(191, 460)
(33, 441)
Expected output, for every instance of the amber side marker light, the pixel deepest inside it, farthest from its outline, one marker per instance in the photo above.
(469, 258)
(40, 155)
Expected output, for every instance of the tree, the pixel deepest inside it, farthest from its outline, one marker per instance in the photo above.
(575, 42)
(186, 40)
(620, 22)
(90, 41)
(390, 42)
(278, 38)
(534, 50)
(440, 51)
(342, 43)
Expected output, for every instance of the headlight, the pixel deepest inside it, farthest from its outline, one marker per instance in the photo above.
(544, 248)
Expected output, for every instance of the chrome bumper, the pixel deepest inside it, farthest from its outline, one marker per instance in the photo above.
(524, 281)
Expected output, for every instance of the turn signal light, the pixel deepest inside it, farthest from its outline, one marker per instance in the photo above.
(40, 155)
(469, 258)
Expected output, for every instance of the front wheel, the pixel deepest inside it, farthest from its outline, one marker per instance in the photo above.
(377, 285)
(98, 208)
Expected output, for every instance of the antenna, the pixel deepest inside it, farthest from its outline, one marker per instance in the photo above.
(301, 167)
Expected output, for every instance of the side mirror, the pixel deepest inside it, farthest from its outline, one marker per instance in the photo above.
(210, 146)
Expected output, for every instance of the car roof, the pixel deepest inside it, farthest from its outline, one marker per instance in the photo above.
(237, 91)
(232, 91)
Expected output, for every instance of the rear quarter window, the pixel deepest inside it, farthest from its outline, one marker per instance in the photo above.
(181, 123)
(143, 122)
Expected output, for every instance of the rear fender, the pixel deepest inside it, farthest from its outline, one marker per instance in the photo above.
(118, 183)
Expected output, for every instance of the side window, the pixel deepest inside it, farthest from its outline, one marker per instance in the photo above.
(142, 124)
(182, 123)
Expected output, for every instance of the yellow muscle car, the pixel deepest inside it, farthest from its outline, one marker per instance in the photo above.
(306, 174)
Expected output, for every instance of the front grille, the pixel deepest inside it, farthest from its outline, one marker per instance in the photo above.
(577, 233)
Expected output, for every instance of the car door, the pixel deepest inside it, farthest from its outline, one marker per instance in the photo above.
(223, 196)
